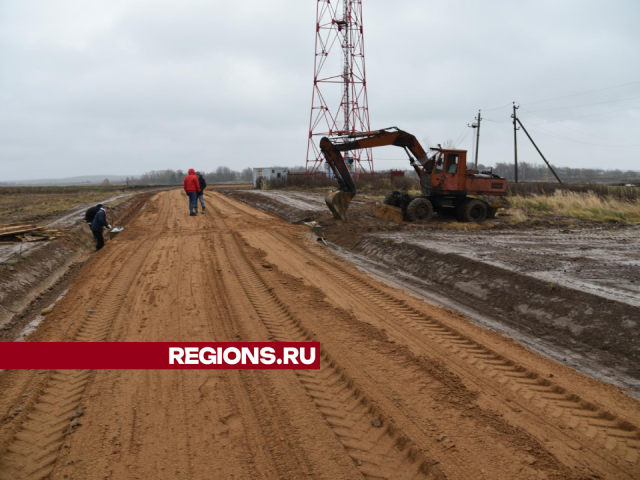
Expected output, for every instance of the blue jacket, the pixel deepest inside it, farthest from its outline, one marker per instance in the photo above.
(99, 221)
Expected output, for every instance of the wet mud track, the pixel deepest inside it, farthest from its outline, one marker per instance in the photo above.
(406, 389)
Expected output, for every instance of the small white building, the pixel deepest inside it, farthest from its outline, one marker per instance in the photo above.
(268, 174)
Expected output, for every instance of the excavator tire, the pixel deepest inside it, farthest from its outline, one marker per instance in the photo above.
(419, 210)
(472, 210)
(388, 199)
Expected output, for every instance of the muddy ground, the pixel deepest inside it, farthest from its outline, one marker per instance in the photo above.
(568, 289)
(406, 389)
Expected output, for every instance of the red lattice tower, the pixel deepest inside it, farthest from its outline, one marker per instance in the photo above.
(339, 80)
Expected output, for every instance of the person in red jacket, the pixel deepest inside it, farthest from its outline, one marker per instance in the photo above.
(192, 187)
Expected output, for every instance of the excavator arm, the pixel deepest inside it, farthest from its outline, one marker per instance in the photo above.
(338, 201)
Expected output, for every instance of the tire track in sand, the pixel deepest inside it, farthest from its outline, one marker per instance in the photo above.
(612, 439)
(597, 427)
(378, 450)
(33, 451)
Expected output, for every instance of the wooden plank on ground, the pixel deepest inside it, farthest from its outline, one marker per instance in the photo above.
(31, 238)
(17, 224)
(16, 230)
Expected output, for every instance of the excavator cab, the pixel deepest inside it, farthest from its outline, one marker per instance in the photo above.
(449, 172)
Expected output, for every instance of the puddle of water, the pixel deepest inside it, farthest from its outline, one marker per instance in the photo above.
(306, 203)
(33, 324)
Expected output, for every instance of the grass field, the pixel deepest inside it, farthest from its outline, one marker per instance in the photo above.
(585, 206)
(35, 203)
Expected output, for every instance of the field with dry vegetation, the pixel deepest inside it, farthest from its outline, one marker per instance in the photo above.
(34, 203)
(586, 206)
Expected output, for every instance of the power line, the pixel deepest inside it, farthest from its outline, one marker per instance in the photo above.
(561, 137)
(566, 96)
(462, 132)
(463, 138)
(493, 109)
(569, 128)
(590, 115)
(583, 93)
(583, 105)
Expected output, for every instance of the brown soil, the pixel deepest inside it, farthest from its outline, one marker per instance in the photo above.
(570, 292)
(406, 389)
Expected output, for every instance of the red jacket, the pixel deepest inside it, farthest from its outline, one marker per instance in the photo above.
(191, 182)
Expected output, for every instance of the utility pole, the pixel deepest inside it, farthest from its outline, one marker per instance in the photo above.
(515, 139)
(478, 119)
(545, 160)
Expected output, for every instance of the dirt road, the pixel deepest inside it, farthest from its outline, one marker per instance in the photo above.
(406, 390)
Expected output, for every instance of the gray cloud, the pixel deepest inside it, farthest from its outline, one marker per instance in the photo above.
(129, 86)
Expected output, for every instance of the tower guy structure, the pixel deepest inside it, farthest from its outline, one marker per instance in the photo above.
(339, 104)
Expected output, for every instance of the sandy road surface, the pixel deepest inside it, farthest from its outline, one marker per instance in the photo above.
(406, 390)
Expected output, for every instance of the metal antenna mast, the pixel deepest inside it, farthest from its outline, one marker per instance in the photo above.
(344, 111)
(345, 72)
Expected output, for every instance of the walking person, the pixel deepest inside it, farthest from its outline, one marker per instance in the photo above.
(99, 222)
(203, 185)
(192, 187)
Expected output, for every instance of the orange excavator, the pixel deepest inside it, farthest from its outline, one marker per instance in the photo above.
(447, 185)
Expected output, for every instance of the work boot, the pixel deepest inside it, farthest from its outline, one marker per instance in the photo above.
(193, 214)
(203, 210)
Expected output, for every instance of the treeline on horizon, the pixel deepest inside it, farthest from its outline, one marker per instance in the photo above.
(527, 172)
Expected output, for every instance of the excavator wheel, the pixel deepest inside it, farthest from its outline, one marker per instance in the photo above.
(472, 210)
(389, 199)
(419, 210)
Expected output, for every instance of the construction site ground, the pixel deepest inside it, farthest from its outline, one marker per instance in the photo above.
(566, 288)
(406, 389)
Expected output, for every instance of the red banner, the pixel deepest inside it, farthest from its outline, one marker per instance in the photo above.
(159, 355)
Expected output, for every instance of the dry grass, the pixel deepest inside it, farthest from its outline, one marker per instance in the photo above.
(586, 206)
(23, 204)
(602, 191)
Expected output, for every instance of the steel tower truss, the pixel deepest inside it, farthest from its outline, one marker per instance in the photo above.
(339, 104)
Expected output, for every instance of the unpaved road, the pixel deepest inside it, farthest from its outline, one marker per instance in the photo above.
(406, 389)
(566, 289)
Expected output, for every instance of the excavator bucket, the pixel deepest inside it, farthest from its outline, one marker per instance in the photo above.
(338, 202)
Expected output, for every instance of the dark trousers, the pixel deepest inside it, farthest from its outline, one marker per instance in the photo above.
(99, 239)
(193, 201)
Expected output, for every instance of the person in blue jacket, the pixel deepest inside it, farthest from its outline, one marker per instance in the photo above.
(99, 222)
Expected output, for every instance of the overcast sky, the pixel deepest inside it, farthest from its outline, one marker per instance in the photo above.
(128, 86)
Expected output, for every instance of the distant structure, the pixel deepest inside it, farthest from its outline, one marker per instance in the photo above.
(339, 81)
(263, 176)
(106, 182)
